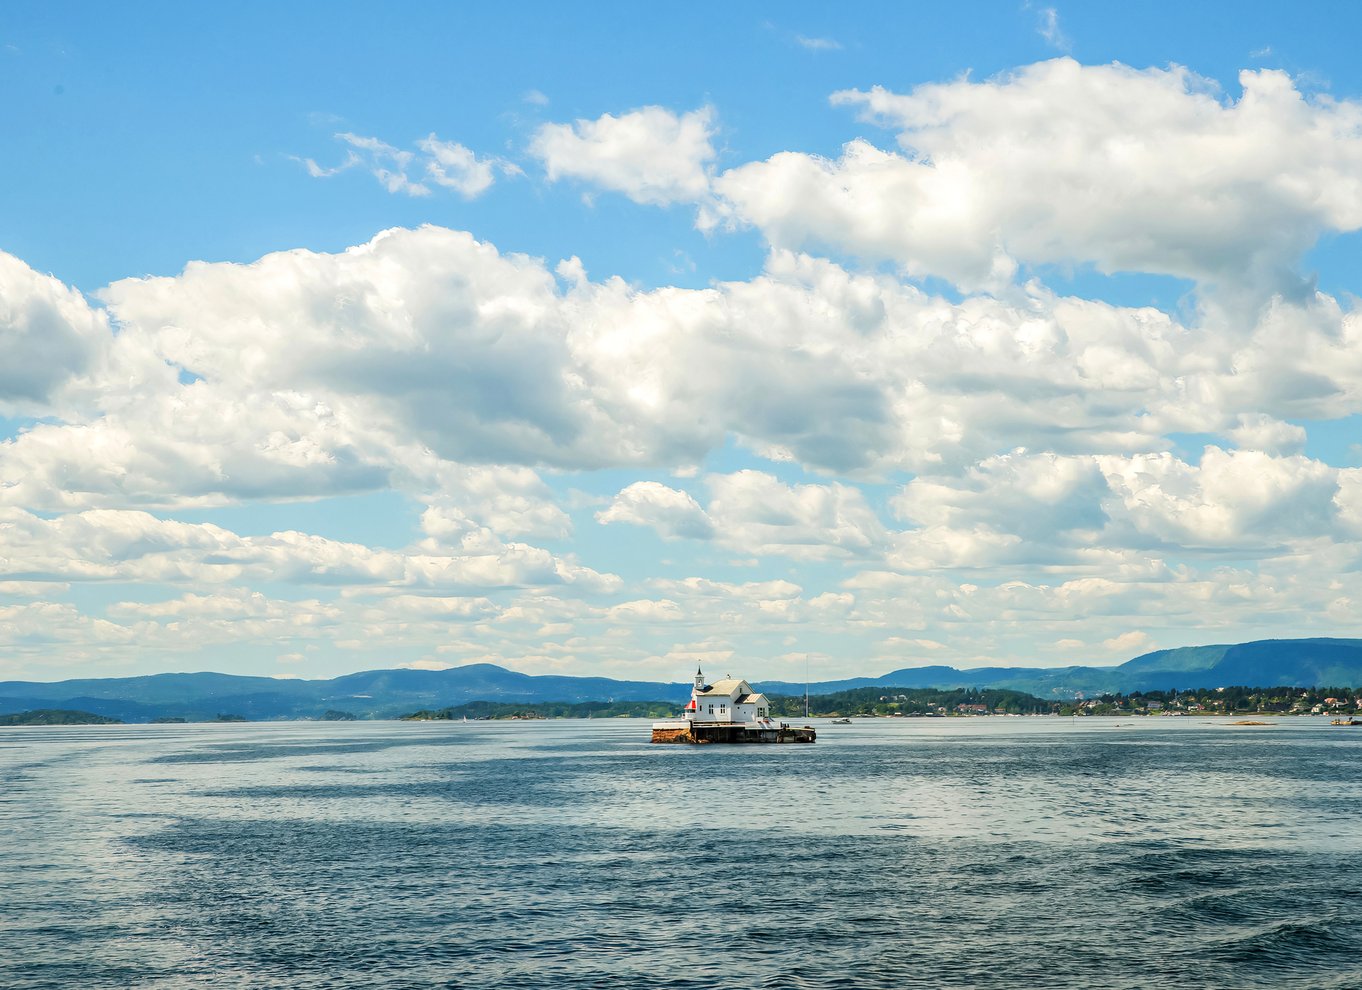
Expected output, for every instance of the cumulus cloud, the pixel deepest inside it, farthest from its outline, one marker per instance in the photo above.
(102, 545)
(1028, 433)
(301, 627)
(1125, 169)
(722, 605)
(1232, 498)
(652, 155)
(430, 338)
(1107, 512)
(1128, 643)
(1258, 431)
(1041, 496)
(755, 511)
(455, 167)
(672, 513)
(308, 374)
(507, 500)
(191, 445)
(49, 334)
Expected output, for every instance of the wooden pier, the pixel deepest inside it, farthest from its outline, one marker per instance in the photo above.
(686, 731)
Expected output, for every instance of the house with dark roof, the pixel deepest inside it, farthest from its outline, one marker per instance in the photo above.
(727, 711)
(730, 700)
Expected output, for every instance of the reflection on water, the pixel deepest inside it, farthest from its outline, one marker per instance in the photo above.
(943, 853)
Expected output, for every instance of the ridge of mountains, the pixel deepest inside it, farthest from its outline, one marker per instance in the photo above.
(389, 693)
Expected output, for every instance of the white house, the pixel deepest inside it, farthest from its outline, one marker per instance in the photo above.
(727, 711)
(728, 701)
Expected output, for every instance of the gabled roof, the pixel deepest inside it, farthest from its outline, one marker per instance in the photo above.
(726, 688)
(751, 699)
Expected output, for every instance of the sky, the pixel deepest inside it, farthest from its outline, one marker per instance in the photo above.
(606, 340)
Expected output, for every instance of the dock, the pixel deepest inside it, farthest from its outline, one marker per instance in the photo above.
(686, 731)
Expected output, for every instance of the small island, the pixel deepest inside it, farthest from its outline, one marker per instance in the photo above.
(58, 716)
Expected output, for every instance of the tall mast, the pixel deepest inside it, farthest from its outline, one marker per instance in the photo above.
(806, 685)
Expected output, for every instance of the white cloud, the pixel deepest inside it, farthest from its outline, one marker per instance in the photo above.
(1125, 169)
(322, 171)
(385, 364)
(1258, 431)
(455, 167)
(49, 334)
(651, 155)
(643, 610)
(31, 589)
(1042, 504)
(443, 164)
(673, 514)
(1047, 26)
(509, 501)
(1127, 644)
(111, 545)
(426, 665)
(1037, 497)
(388, 164)
(1245, 499)
(1102, 514)
(756, 512)
(815, 44)
(750, 591)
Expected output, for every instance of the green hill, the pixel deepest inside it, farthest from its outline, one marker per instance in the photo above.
(392, 693)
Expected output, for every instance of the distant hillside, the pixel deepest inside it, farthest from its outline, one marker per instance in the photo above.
(369, 694)
(1303, 662)
(390, 693)
(50, 716)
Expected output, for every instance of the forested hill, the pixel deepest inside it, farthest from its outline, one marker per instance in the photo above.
(49, 716)
(1302, 662)
(390, 693)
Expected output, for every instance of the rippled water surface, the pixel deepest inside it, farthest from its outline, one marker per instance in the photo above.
(1001, 852)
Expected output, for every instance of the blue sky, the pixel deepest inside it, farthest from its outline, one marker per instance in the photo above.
(599, 340)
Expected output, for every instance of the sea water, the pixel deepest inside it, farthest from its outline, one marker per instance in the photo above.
(985, 852)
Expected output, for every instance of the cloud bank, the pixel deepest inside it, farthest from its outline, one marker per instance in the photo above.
(901, 438)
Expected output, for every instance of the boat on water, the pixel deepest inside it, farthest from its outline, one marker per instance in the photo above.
(1346, 721)
(840, 721)
(728, 711)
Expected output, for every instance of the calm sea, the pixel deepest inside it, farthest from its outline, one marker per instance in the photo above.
(1038, 853)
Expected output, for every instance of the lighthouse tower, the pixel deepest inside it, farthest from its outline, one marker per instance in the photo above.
(694, 706)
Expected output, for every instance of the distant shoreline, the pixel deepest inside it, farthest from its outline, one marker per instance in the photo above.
(76, 718)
